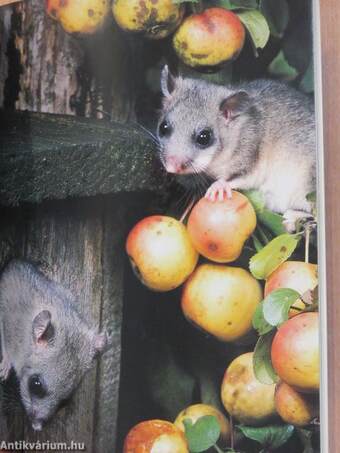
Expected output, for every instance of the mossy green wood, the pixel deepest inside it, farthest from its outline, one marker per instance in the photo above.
(45, 156)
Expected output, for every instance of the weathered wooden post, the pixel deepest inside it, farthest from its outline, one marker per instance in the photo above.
(66, 186)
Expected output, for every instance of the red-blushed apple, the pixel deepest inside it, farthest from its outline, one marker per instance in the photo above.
(161, 252)
(295, 408)
(155, 436)
(296, 275)
(219, 229)
(210, 38)
(295, 352)
(197, 411)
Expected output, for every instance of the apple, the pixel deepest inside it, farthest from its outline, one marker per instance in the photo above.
(296, 275)
(52, 8)
(210, 38)
(155, 436)
(221, 300)
(219, 229)
(154, 19)
(295, 408)
(79, 16)
(243, 396)
(161, 252)
(295, 352)
(197, 411)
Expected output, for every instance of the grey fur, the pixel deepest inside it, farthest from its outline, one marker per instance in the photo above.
(42, 334)
(266, 143)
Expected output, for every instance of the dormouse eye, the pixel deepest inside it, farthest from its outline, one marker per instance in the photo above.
(204, 138)
(164, 129)
(36, 387)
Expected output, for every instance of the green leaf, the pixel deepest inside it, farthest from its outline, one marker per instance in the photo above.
(209, 386)
(273, 221)
(271, 437)
(311, 196)
(272, 255)
(256, 199)
(263, 234)
(268, 218)
(257, 26)
(277, 304)
(257, 244)
(306, 438)
(176, 2)
(277, 15)
(280, 67)
(297, 44)
(259, 322)
(203, 434)
(307, 82)
(169, 385)
(235, 4)
(262, 363)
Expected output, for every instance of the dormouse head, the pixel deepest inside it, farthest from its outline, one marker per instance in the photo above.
(198, 121)
(62, 354)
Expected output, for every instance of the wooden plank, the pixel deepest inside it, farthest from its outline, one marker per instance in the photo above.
(8, 2)
(330, 44)
(81, 244)
(45, 156)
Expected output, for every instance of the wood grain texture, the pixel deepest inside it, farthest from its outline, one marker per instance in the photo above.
(8, 2)
(81, 246)
(48, 70)
(330, 47)
(45, 156)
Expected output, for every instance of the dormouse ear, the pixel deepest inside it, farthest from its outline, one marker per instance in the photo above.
(42, 328)
(168, 82)
(100, 342)
(235, 105)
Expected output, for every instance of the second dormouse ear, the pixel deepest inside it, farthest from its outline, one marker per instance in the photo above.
(42, 328)
(101, 342)
(235, 105)
(168, 81)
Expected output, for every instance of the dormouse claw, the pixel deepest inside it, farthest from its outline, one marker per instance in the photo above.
(218, 190)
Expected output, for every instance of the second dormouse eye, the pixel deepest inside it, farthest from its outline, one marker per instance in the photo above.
(164, 129)
(204, 138)
(36, 387)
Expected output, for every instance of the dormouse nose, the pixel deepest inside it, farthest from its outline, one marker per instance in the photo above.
(37, 425)
(174, 164)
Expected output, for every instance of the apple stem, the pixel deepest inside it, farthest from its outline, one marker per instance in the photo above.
(188, 209)
(307, 240)
(197, 8)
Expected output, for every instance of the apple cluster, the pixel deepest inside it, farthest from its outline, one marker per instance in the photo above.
(221, 299)
(209, 38)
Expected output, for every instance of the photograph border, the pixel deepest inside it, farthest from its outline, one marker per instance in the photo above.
(322, 260)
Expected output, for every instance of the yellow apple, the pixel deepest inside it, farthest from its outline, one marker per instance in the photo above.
(243, 396)
(221, 300)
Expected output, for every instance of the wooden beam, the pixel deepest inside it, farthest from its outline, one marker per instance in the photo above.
(330, 48)
(52, 157)
(8, 2)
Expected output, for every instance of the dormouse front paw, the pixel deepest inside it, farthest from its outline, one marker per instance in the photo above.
(219, 190)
